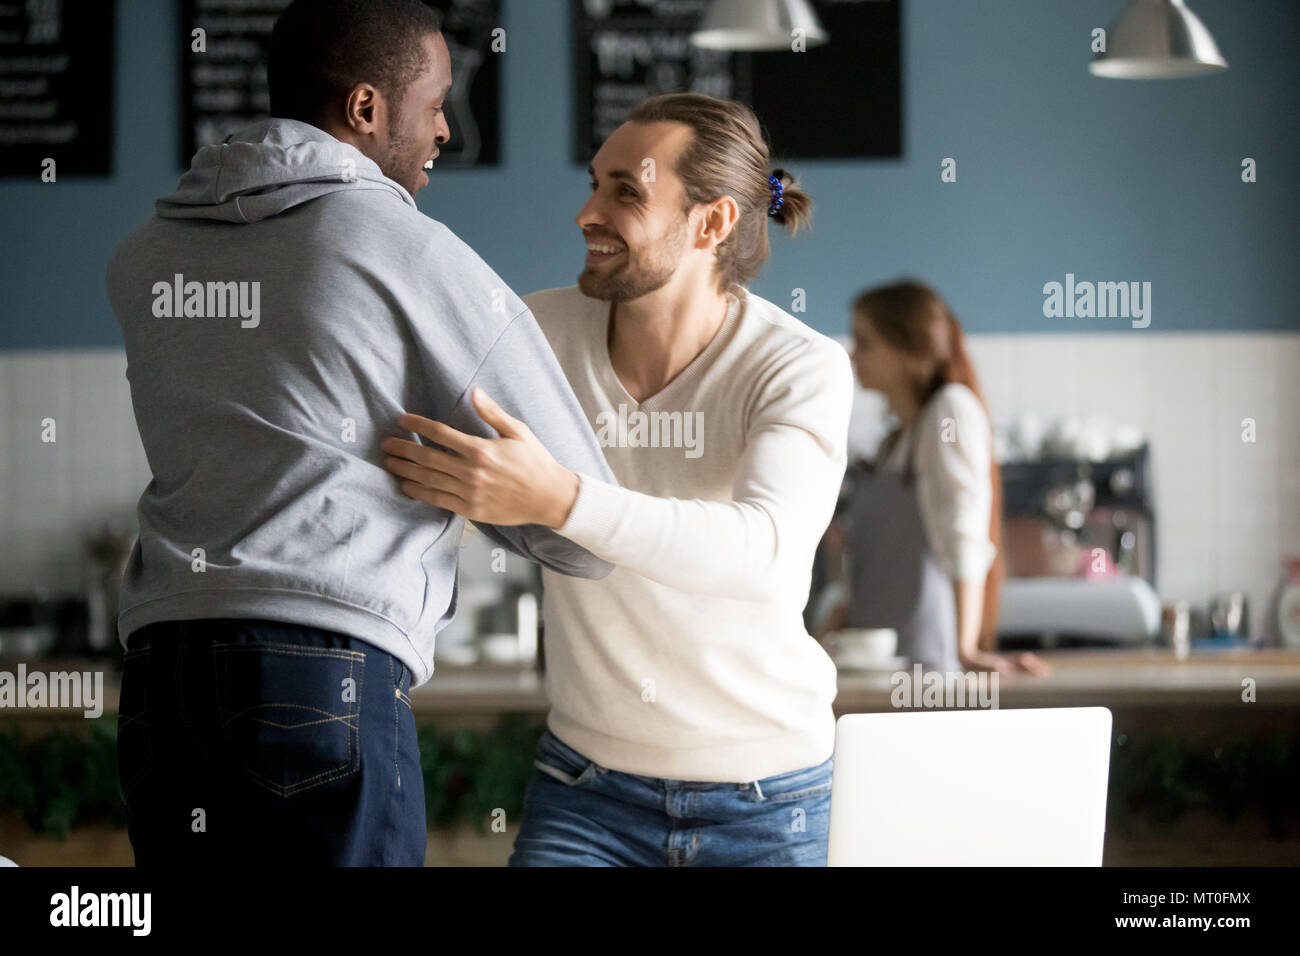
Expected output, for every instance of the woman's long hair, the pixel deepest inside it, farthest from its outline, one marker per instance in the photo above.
(914, 319)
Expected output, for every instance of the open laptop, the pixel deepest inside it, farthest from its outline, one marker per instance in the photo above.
(970, 788)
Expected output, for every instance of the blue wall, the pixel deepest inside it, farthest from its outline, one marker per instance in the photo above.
(1058, 171)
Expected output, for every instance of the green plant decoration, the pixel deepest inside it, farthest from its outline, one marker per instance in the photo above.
(61, 780)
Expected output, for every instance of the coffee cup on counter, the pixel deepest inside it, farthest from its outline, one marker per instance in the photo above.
(1176, 626)
(866, 648)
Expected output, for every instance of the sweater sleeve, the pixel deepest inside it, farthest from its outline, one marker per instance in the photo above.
(460, 338)
(954, 487)
(783, 494)
(522, 375)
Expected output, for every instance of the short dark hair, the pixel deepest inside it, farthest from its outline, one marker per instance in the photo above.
(321, 49)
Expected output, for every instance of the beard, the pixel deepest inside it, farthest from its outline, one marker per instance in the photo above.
(401, 163)
(639, 275)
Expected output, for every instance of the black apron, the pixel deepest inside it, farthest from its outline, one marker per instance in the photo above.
(893, 578)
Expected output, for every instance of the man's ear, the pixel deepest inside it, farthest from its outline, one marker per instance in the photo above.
(720, 217)
(363, 109)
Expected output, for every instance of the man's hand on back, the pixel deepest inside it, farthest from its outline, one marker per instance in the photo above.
(510, 480)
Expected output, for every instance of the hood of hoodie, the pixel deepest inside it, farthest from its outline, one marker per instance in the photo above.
(268, 167)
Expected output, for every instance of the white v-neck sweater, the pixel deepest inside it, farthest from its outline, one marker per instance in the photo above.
(690, 660)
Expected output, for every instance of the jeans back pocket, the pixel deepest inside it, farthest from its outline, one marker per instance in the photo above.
(290, 713)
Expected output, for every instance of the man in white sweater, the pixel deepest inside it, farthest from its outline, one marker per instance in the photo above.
(691, 717)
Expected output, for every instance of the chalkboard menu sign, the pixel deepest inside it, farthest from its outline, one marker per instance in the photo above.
(56, 87)
(223, 70)
(840, 99)
(224, 85)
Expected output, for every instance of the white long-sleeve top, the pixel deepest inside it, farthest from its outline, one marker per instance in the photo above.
(953, 486)
(691, 660)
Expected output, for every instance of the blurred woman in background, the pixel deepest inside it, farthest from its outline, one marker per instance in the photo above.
(921, 524)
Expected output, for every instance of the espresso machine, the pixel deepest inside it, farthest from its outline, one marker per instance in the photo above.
(1078, 543)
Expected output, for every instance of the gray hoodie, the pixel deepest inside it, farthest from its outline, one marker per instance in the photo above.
(280, 311)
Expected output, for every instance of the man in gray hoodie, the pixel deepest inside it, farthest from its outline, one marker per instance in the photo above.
(286, 304)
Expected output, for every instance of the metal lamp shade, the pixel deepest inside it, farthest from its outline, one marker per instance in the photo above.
(757, 25)
(1157, 39)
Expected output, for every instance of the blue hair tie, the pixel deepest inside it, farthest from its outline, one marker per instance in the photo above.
(777, 191)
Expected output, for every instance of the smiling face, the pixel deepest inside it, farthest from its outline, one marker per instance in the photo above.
(635, 224)
(417, 124)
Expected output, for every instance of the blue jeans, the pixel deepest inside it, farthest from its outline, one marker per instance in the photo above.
(578, 813)
(246, 742)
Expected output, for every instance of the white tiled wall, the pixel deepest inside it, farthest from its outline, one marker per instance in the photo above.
(1227, 510)
(53, 493)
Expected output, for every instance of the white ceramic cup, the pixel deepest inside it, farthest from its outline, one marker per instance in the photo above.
(865, 646)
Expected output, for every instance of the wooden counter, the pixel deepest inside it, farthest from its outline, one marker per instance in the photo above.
(1129, 680)
(1120, 679)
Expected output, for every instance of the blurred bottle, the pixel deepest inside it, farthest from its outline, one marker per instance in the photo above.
(1282, 627)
